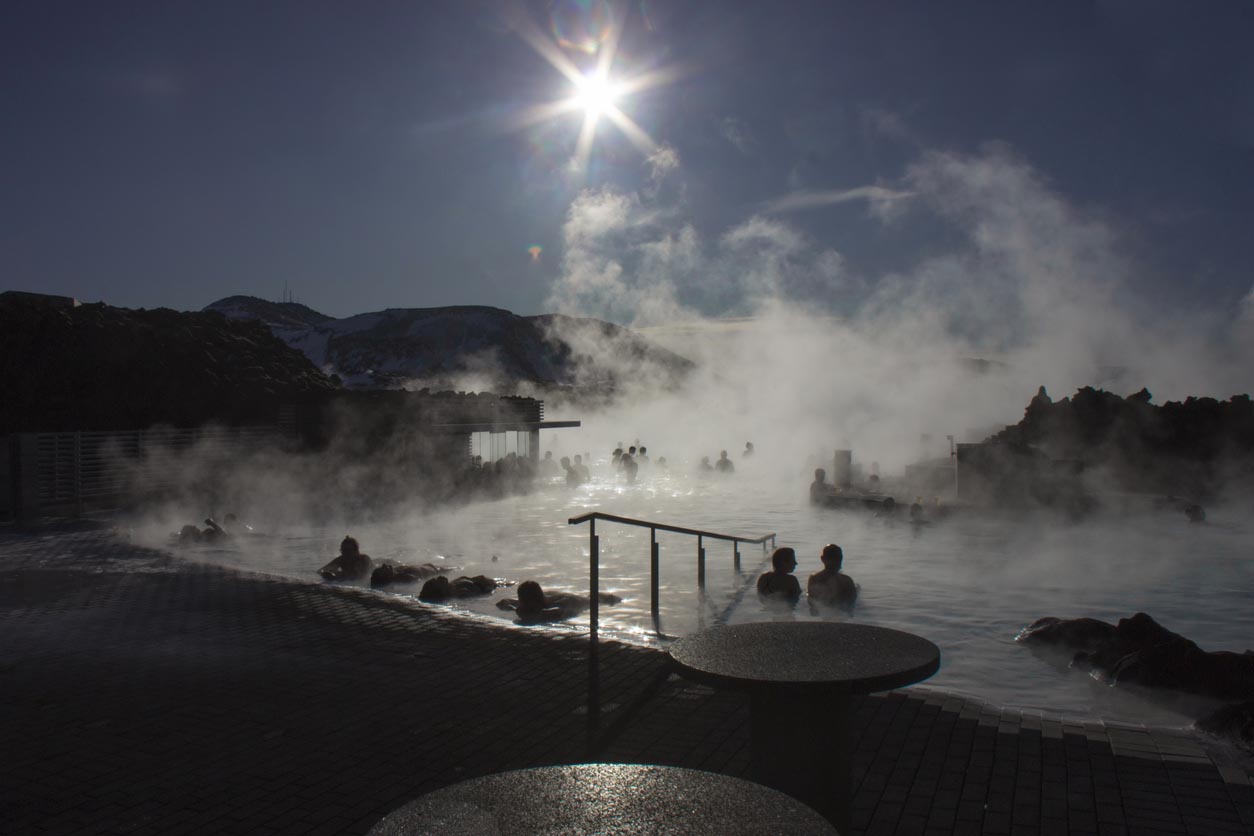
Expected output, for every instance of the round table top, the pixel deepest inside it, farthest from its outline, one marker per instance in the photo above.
(599, 798)
(857, 658)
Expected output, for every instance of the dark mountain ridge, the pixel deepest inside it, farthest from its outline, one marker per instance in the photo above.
(466, 346)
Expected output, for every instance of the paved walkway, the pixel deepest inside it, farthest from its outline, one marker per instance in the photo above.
(140, 694)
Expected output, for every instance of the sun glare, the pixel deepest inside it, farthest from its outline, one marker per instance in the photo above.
(595, 94)
(599, 92)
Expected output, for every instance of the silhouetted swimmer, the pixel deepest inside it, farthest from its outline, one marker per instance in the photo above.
(705, 465)
(534, 606)
(748, 450)
(188, 534)
(643, 458)
(818, 488)
(1195, 513)
(351, 565)
(192, 534)
(830, 586)
(442, 589)
(582, 469)
(724, 464)
(548, 467)
(386, 573)
(630, 468)
(572, 474)
(661, 462)
(780, 582)
(214, 531)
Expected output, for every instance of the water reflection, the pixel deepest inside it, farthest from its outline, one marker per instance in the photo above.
(969, 583)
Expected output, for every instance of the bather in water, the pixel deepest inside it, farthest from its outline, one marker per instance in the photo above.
(534, 606)
(440, 588)
(351, 565)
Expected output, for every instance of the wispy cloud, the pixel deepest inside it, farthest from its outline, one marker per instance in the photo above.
(735, 131)
(805, 199)
(662, 162)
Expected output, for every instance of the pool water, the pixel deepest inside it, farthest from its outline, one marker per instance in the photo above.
(969, 582)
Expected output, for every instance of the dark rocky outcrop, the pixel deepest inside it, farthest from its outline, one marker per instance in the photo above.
(1073, 634)
(1140, 651)
(1232, 722)
(96, 367)
(1197, 448)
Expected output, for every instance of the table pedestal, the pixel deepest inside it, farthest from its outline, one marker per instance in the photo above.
(800, 740)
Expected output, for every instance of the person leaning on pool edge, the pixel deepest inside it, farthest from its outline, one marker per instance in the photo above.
(780, 582)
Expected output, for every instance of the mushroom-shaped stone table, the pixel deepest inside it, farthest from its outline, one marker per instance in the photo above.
(602, 798)
(800, 676)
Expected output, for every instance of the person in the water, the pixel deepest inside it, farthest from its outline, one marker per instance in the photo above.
(534, 606)
(830, 585)
(724, 464)
(388, 572)
(818, 488)
(351, 565)
(440, 588)
(780, 582)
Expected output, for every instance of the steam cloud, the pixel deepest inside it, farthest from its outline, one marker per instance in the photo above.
(802, 352)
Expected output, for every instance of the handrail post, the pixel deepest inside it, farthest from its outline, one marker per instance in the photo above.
(736, 560)
(654, 580)
(594, 672)
(700, 562)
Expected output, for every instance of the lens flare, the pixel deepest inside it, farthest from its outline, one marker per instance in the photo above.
(535, 250)
(581, 25)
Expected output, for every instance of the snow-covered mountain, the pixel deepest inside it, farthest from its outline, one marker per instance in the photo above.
(467, 347)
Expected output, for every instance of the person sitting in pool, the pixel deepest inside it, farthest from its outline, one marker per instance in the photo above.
(351, 565)
(780, 582)
(830, 586)
(440, 588)
(533, 606)
(724, 464)
(818, 488)
(388, 572)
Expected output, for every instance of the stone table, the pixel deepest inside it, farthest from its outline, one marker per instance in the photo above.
(599, 798)
(800, 676)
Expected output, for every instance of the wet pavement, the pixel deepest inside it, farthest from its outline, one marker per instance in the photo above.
(142, 693)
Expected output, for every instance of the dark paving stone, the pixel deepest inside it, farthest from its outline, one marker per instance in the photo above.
(143, 694)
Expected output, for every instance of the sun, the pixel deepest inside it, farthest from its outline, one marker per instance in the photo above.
(599, 93)
(595, 94)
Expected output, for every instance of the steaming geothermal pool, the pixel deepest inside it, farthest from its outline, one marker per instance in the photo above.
(968, 583)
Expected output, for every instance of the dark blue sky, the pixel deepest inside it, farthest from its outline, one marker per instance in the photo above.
(366, 154)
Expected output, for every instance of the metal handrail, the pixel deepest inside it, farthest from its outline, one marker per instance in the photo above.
(594, 587)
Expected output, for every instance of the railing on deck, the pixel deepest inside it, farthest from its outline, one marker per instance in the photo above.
(594, 587)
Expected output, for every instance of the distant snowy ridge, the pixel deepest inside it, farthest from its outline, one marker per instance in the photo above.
(489, 347)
